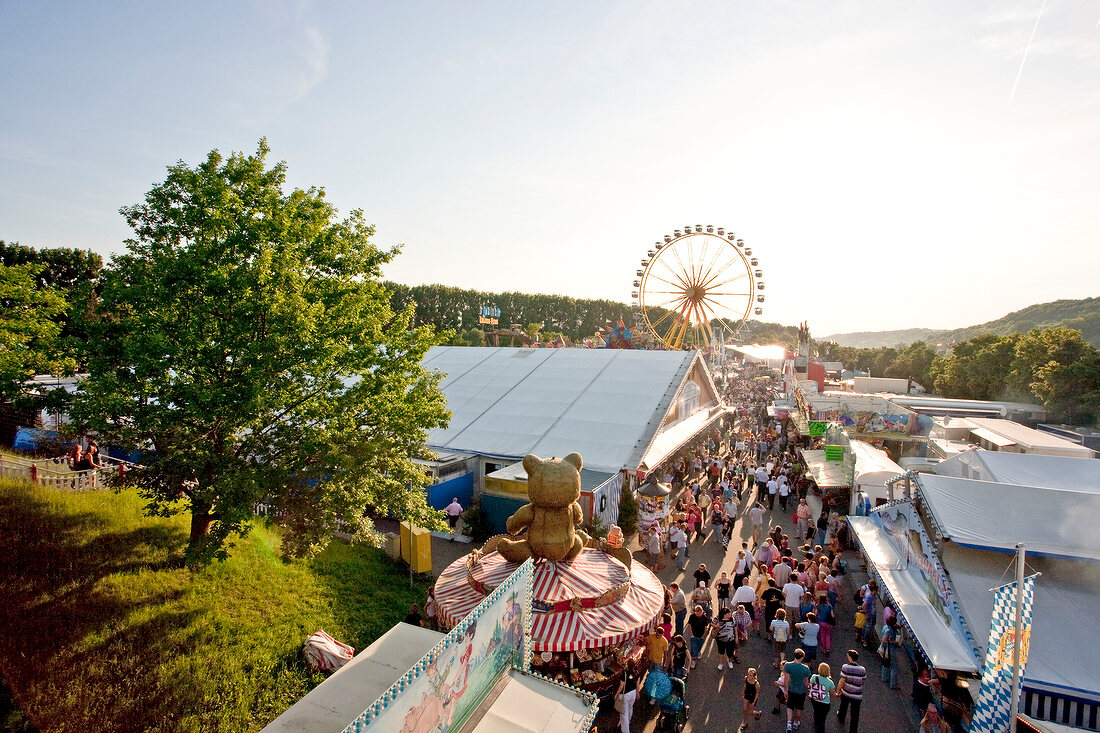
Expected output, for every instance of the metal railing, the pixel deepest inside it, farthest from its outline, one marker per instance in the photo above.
(56, 473)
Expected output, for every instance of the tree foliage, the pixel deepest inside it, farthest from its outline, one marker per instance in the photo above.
(245, 342)
(29, 326)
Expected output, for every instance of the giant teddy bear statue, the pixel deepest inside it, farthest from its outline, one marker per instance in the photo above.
(551, 517)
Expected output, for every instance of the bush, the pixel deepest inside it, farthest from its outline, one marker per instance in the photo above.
(476, 525)
(628, 513)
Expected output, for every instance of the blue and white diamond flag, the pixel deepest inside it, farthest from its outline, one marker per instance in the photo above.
(992, 711)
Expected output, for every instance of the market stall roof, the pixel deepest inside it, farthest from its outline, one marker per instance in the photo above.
(654, 488)
(827, 474)
(339, 700)
(1066, 596)
(606, 404)
(1026, 469)
(872, 464)
(528, 704)
(992, 437)
(587, 577)
(942, 647)
(997, 516)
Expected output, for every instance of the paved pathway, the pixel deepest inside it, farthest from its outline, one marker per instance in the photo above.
(715, 697)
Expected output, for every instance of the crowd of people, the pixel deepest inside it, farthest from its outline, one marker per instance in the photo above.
(785, 586)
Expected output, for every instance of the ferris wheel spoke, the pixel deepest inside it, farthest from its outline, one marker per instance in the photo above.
(668, 314)
(711, 294)
(678, 301)
(705, 275)
(691, 258)
(711, 277)
(711, 285)
(678, 275)
(683, 270)
(680, 286)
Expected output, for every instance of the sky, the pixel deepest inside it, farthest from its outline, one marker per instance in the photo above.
(891, 164)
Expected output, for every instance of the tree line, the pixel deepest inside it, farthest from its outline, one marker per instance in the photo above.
(1055, 367)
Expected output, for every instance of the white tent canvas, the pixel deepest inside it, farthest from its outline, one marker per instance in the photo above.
(985, 514)
(873, 469)
(1026, 469)
(606, 404)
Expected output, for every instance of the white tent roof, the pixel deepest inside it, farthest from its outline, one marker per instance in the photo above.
(339, 700)
(605, 404)
(989, 515)
(1036, 440)
(942, 646)
(873, 466)
(1026, 469)
(1066, 596)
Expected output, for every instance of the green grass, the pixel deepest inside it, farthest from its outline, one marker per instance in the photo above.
(105, 630)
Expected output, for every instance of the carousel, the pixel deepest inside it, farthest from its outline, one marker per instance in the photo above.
(592, 606)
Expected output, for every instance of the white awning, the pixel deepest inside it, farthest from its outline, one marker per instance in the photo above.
(827, 474)
(674, 436)
(942, 647)
(991, 437)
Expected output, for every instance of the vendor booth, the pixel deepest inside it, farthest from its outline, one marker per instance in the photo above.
(653, 510)
(939, 555)
(873, 469)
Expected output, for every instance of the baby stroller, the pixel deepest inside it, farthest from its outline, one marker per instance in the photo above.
(668, 692)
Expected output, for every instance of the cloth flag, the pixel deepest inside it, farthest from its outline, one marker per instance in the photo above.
(992, 711)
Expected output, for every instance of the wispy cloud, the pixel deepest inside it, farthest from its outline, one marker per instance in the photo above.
(1027, 50)
(312, 62)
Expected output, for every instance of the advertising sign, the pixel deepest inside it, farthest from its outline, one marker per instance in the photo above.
(817, 428)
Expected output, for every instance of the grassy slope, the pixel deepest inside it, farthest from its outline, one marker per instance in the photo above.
(105, 631)
(1083, 315)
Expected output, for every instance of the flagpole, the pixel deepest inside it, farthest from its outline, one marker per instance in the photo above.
(1017, 646)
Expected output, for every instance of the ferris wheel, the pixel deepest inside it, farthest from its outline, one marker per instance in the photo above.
(696, 288)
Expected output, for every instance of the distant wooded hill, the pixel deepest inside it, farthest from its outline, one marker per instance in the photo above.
(1083, 315)
(457, 309)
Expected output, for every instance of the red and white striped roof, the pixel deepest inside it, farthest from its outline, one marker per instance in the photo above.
(590, 574)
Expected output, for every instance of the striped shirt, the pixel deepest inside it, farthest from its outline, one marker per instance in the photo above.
(853, 676)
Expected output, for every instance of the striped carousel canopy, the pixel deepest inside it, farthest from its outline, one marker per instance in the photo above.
(590, 602)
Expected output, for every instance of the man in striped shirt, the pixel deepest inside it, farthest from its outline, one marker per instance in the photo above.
(850, 689)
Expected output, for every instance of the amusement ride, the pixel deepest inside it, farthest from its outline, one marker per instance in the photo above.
(696, 288)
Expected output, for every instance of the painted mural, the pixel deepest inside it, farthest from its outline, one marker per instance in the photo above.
(900, 522)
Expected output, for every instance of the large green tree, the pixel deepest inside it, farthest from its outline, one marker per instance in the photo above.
(245, 343)
(29, 328)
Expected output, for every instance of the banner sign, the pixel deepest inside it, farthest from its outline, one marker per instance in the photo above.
(444, 688)
(992, 711)
(834, 453)
(817, 428)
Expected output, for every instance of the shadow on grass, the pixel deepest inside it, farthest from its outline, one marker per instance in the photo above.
(52, 596)
(371, 591)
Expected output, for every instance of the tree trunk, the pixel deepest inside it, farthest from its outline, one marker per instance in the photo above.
(200, 526)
